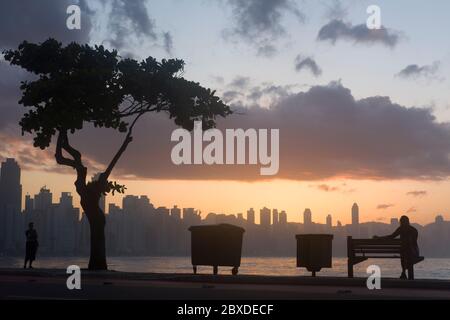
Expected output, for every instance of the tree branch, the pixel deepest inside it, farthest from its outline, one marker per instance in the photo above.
(76, 163)
(72, 151)
(137, 111)
(60, 159)
(128, 138)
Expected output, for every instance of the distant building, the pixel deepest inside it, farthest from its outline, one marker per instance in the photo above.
(394, 222)
(10, 187)
(307, 217)
(66, 200)
(282, 220)
(264, 217)
(163, 211)
(29, 203)
(251, 216)
(64, 225)
(329, 221)
(43, 200)
(11, 219)
(439, 219)
(175, 212)
(191, 217)
(275, 217)
(355, 214)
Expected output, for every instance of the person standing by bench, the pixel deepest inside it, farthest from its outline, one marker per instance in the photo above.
(409, 247)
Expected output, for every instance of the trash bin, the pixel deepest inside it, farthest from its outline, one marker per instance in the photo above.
(216, 245)
(314, 251)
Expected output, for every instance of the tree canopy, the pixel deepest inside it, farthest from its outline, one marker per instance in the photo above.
(79, 84)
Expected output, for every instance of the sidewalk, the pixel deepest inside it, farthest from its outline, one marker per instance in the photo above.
(51, 284)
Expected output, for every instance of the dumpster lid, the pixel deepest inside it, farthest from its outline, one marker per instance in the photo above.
(221, 226)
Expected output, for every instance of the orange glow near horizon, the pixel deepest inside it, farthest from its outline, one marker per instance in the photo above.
(232, 197)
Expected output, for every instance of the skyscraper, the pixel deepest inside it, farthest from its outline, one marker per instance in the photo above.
(191, 217)
(10, 187)
(307, 217)
(175, 212)
(66, 200)
(282, 220)
(10, 204)
(329, 221)
(43, 200)
(29, 203)
(65, 221)
(355, 214)
(439, 219)
(275, 216)
(251, 216)
(264, 217)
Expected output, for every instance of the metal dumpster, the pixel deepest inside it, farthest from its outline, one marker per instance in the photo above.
(216, 245)
(314, 251)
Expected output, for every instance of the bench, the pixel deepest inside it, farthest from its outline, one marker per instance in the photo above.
(359, 250)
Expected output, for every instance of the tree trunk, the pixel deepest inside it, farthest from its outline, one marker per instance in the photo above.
(96, 218)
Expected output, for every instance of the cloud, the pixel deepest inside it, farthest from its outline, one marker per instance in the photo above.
(307, 63)
(339, 30)
(260, 22)
(242, 92)
(417, 193)
(414, 71)
(218, 79)
(240, 82)
(10, 78)
(129, 25)
(326, 188)
(32, 21)
(384, 206)
(266, 50)
(168, 42)
(324, 133)
(129, 19)
(336, 11)
(411, 210)
(35, 21)
(34, 159)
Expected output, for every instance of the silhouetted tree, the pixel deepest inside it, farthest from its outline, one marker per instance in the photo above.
(79, 84)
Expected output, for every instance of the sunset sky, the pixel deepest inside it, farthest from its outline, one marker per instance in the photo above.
(363, 116)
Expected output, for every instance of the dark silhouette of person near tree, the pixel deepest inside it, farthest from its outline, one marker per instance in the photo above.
(32, 245)
(410, 249)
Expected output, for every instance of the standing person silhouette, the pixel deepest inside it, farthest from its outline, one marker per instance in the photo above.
(31, 245)
(410, 249)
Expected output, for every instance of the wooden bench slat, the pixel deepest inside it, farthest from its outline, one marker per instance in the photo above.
(377, 242)
(379, 257)
(377, 247)
(376, 250)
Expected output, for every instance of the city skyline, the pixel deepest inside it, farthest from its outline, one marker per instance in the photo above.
(11, 174)
(138, 227)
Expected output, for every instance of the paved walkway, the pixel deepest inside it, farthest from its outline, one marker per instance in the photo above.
(51, 284)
